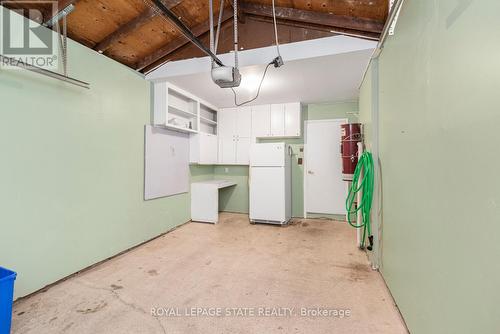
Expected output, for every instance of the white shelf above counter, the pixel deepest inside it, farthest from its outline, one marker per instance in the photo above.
(179, 110)
(177, 128)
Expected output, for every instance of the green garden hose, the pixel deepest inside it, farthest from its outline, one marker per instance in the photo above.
(364, 169)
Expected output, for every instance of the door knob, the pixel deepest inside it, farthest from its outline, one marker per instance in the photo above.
(310, 172)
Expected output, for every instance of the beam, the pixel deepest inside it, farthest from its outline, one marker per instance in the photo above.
(333, 30)
(178, 42)
(132, 25)
(318, 18)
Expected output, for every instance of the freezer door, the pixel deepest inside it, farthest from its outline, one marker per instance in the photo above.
(268, 155)
(267, 194)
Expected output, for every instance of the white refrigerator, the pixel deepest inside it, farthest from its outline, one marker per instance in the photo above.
(270, 183)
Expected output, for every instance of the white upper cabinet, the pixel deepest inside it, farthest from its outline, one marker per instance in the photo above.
(203, 148)
(261, 121)
(178, 110)
(227, 150)
(293, 120)
(277, 120)
(175, 108)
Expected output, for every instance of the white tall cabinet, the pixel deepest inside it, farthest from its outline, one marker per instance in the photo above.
(235, 126)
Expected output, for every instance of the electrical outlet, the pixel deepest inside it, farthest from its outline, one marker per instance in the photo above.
(299, 161)
(226, 170)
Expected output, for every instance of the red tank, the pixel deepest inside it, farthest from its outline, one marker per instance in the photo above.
(350, 137)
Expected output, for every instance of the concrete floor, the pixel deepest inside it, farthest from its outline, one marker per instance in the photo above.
(234, 266)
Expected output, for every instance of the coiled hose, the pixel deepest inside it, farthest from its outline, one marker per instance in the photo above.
(364, 169)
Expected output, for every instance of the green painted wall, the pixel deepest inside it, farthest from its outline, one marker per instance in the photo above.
(439, 134)
(236, 199)
(233, 199)
(201, 172)
(72, 171)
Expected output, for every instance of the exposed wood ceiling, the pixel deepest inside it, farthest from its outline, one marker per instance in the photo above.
(133, 32)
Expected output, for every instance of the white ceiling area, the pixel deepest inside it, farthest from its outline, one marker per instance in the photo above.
(323, 70)
(316, 80)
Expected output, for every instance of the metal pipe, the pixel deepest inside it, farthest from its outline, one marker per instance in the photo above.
(219, 23)
(235, 33)
(185, 31)
(55, 75)
(383, 36)
(211, 22)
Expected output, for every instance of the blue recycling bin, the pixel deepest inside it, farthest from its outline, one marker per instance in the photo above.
(7, 278)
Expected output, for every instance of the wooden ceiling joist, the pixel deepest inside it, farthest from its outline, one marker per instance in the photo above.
(136, 36)
(317, 18)
(179, 42)
(131, 25)
(334, 30)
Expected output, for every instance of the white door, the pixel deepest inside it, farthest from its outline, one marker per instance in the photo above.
(325, 192)
(277, 120)
(261, 121)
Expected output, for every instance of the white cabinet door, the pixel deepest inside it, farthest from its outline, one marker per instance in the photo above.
(227, 122)
(208, 149)
(277, 120)
(203, 148)
(292, 119)
(243, 151)
(244, 122)
(261, 121)
(227, 150)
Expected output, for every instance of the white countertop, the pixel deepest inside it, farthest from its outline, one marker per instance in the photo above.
(218, 183)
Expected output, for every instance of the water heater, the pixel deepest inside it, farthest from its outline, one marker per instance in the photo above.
(351, 135)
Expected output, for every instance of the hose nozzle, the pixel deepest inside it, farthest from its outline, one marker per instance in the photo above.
(370, 240)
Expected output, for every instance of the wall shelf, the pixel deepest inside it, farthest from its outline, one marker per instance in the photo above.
(174, 110)
(208, 121)
(178, 128)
